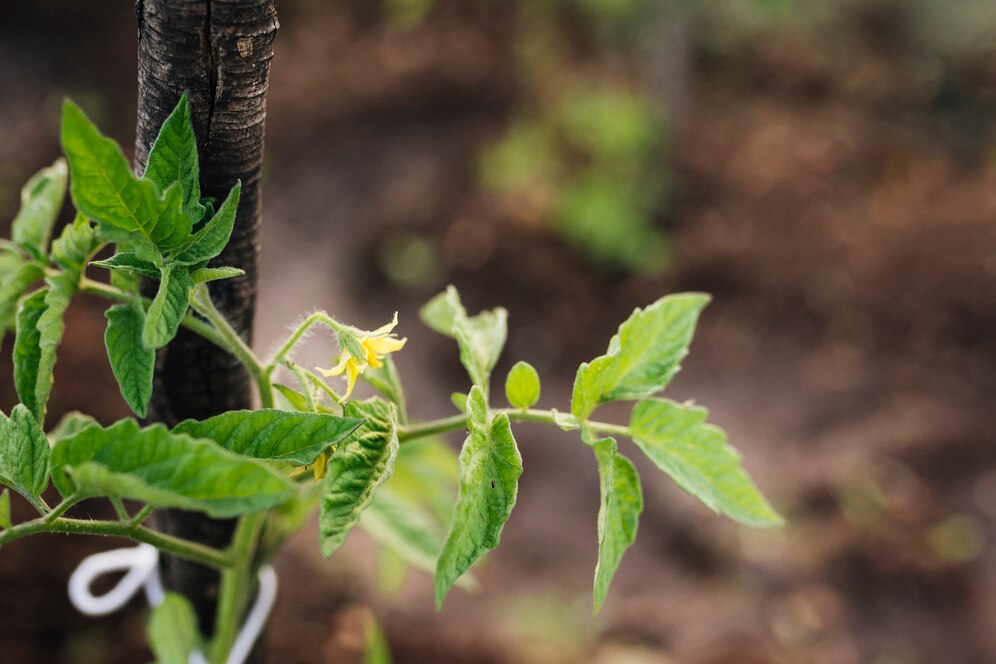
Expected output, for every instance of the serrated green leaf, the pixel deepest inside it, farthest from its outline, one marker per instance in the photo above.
(522, 385)
(12, 287)
(480, 338)
(643, 357)
(273, 434)
(24, 454)
(69, 425)
(51, 326)
(127, 261)
(206, 274)
(356, 469)
(5, 509)
(490, 466)
(165, 469)
(168, 308)
(41, 202)
(172, 630)
(173, 158)
(698, 459)
(75, 245)
(132, 363)
(27, 349)
(129, 209)
(209, 241)
(618, 514)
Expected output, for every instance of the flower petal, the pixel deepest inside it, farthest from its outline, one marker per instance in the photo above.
(337, 369)
(385, 329)
(384, 345)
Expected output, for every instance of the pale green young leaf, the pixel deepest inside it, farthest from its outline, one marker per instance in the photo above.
(168, 308)
(490, 466)
(24, 454)
(12, 287)
(127, 261)
(273, 434)
(27, 349)
(172, 630)
(76, 245)
(618, 514)
(427, 472)
(206, 274)
(5, 509)
(173, 158)
(698, 459)
(165, 469)
(643, 357)
(459, 399)
(132, 363)
(104, 188)
(295, 399)
(41, 202)
(51, 326)
(402, 526)
(356, 469)
(480, 338)
(522, 385)
(212, 238)
(69, 425)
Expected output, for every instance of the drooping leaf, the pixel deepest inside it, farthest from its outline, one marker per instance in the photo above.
(168, 308)
(643, 357)
(522, 386)
(5, 509)
(41, 202)
(490, 466)
(206, 274)
(51, 326)
(132, 363)
(103, 188)
(356, 469)
(165, 469)
(12, 287)
(210, 240)
(172, 630)
(27, 349)
(480, 338)
(173, 158)
(618, 515)
(698, 459)
(126, 261)
(24, 454)
(273, 434)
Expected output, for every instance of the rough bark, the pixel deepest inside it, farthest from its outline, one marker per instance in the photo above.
(219, 51)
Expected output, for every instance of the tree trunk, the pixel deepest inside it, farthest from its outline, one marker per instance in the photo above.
(220, 51)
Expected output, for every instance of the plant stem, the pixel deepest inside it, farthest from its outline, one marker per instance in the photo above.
(300, 331)
(455, 422)
(236, 584)
(199, 553)
(233, 343)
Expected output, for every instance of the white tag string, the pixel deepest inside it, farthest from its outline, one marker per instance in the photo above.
(141, 567)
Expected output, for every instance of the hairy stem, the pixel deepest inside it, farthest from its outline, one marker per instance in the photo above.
(454, 422)
(236, 585)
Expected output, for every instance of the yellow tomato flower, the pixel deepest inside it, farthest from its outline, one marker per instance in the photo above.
(375, 345)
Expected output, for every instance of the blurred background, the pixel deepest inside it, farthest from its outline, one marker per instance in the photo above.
(824, 169)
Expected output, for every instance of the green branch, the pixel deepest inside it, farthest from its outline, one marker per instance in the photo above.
(433, 427)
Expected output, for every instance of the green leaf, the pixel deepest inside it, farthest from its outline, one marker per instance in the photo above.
(209, 241)
(51, 326)
(41, 202)
(5, 509)
(75, 245)
(132, 363)
(356, 469)
(173, 158)
(481, 337)
(698, 459)
(129, 209)
(24, 454)
(127, 261)
(206, 274)
(643, 357)
(295, 399)
(172, 630)
(490, 467)
(618, 514)
(69, 425)
(12, 287)
(522, 386)
(459, 399)
(168, 308)
(27, 349)
(405, 528)
(165, 469)
(273, 434)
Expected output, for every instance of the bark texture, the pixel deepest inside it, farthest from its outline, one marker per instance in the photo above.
(219, 51)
